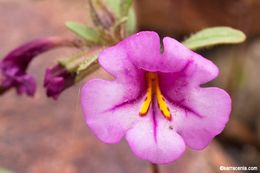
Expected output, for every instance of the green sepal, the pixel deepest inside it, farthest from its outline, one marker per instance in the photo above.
(115, 6)
(71, 63)
(87, 66)
(125, 7)
(131, 23)
(101, 15)
(81, 64)
(120, 7)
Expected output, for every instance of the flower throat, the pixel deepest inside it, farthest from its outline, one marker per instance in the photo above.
(153, 91)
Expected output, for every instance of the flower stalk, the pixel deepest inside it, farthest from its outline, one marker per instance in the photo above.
(154, 168)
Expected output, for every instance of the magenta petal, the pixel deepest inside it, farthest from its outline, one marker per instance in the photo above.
(198, 69)
(116, 62)
(110, 107)
(107, 109)
(206, 116)
(143, 50)
(154, 139)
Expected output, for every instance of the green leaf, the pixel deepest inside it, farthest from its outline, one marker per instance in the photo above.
(214, 36)
(87, 33)
(131, 22)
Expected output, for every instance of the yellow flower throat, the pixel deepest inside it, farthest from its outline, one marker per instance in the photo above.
(153, 89)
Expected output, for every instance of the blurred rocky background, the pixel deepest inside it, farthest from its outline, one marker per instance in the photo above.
(186, 16)
(40, 135)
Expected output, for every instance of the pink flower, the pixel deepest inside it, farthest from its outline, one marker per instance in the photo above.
(155, 100)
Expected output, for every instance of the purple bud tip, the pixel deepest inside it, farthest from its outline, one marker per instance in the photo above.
(57, 79)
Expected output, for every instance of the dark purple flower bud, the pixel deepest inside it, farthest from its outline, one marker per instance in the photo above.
(58, 79)
(14, 65)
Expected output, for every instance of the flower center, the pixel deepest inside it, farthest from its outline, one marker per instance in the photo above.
(153, 90)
